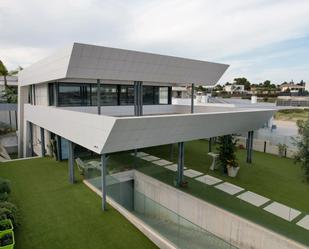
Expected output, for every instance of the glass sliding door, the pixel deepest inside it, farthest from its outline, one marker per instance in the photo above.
(126, 95)
(74, 95)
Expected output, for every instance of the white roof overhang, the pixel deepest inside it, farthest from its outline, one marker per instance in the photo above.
(82, 62)
(105, 134)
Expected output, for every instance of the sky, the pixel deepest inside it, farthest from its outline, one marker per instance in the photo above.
(260, 39)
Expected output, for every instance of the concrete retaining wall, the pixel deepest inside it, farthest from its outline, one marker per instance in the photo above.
(232, 228)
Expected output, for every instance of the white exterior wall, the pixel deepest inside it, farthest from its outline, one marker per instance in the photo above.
(232, 228)
(22, 132)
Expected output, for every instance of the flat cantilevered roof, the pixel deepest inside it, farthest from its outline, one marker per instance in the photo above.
(90, 62)
(107, 134)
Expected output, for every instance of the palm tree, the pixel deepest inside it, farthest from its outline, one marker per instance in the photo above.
(4, 72)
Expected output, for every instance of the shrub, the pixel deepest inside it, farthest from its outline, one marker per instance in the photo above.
(282, 149)
(227, 149)
(302, 143)
(5, 189)
(9, 211)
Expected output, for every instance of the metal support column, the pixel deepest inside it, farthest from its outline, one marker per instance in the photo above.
(99, 97)
(103, 180)
(138, 101)
(71, 161)
(210, 145)
(42, 142)
(10, 118)
(16, 122)
(249, 146)
(192, 98)
(135, 98)
(31, 138)
(180, 165)
(140, 98)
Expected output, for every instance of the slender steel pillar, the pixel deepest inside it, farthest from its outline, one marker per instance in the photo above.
(103, 180)
(42, 142)
(16, 122)
(180, 165)
(10, 118)
(71, 161)
(192, 98)
(135, 98)
(210, 145)
(140, 98)
(249, 146)
(99, 96)
(138, 101)
(31, 138)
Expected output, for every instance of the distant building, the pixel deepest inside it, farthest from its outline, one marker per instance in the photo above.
(307, 87)
(291, 87)
(234, 88)
(263, 90)
(180, 92)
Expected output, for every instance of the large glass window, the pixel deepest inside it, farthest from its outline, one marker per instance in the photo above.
(109, 95)
(83, 94)
(74, 95)
(51, 94)
(148, 95)
(126, 95)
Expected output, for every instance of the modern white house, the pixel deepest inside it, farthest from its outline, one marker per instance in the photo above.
(109, 100)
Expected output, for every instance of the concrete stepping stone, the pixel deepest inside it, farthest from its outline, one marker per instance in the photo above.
(173, 167)
(304, 222)
(229, 188)
(150, 158)
(209, 180)
(282, 211)
(253, 198)
(140, 154)
(192, 173)
(162, 162)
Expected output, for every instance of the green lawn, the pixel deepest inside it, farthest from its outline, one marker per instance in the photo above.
(55, 214)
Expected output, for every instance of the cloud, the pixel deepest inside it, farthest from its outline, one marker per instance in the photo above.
(220, 30)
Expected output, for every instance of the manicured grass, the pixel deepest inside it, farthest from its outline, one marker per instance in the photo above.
(56, 214)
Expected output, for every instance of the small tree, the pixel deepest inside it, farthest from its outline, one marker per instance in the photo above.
(302, 143)
(227, 149)
(4, 72)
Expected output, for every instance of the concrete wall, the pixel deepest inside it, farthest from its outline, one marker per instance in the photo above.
(234, 229)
